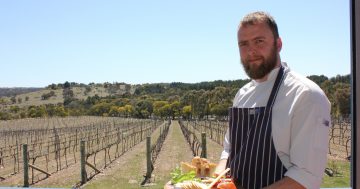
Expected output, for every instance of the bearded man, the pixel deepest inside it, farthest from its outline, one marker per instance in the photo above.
(279, 121)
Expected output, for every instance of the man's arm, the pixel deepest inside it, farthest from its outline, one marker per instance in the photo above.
(286, 182)
(220, 167)
(309, 139)
(224, 155)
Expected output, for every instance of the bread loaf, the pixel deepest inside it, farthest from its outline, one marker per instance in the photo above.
(201, 166)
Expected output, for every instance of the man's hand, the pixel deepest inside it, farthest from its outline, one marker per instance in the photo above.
(220, 167)
(286, 182)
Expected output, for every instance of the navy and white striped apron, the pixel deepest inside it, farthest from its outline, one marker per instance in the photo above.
(253, 160)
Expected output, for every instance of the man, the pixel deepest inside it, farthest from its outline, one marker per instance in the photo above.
(279, 122)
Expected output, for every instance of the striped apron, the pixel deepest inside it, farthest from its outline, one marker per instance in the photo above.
(253, 160)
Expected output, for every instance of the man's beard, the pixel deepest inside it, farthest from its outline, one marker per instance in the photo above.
(257, 72)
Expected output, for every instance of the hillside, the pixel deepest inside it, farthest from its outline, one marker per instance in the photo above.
(8, 92)
(175, 99)
(34, 97)
(24, 97)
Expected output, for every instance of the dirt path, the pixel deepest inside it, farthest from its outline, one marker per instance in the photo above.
(128, 171)
(174, 150)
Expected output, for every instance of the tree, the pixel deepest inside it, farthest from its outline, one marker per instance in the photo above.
(220, 110)
(328, 87)
(68, 95)
(199, 106)
(129, 110)
(318, 79)
(122, 111)
(143, 109)
(13, 99)
(342, 99)
(114, 111)
(173, 98)
(14, 109)
(157, 107)
(2, 101)
(46, 96)
(188, 98)
(186, 112)
(67, 85)
(36, 111)
(5, 115)
(165, 111)
(60, 111)
(100, 109)
(122, 101)
(90, 101)
(175, 109)
(53, 86)
(87, 90)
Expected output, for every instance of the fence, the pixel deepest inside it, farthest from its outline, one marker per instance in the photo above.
(152, 151)
(192, 138)
(52, 149)
(340, 138)
(55, 149)
(339, 134)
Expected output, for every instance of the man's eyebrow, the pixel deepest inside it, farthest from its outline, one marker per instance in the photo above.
(260, 37)
(242, 42)
(255, 38)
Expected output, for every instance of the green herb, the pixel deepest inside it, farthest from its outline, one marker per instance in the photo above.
(177, 176)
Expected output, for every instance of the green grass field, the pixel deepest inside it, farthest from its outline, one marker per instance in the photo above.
(341, 177)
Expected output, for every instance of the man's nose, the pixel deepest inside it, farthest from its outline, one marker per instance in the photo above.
(251, 50)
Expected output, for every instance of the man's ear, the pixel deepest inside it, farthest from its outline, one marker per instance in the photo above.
(278, 44)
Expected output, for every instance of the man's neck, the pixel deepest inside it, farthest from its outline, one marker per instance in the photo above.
(262, 79)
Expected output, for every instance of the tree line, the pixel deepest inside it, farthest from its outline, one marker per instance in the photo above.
(167, 100)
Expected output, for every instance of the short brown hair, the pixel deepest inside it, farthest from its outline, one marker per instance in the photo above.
(260, 17)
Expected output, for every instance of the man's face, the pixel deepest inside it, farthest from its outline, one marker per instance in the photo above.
(258, 50)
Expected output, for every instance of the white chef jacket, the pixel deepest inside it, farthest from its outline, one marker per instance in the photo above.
(300, 124)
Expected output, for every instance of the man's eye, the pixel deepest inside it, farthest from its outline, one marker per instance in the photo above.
(259, 41)
(242, 44)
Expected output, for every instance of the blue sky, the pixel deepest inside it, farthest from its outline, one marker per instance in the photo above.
(141, 41)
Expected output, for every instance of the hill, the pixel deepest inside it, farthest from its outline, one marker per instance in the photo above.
(23, 97)
(189, 100)
(8, 92)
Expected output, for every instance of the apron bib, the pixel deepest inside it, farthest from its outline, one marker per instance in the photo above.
(253, 160)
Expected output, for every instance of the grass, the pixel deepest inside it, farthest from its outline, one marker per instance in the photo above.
(126, 178)
(130, 175)
(341, 177)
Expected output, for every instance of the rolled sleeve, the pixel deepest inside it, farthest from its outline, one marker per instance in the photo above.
(308, 180)
(309, 139)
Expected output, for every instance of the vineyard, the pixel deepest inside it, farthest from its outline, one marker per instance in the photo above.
(340, 138)
(53, 145)
(70, 152)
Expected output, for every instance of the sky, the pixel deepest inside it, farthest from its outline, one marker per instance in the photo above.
(141, 41)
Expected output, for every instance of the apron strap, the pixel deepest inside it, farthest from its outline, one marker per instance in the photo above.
(279, 78)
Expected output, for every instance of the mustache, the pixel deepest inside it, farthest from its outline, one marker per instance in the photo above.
(254, 58)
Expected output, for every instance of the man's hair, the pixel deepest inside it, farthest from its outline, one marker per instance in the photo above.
(260, 17)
